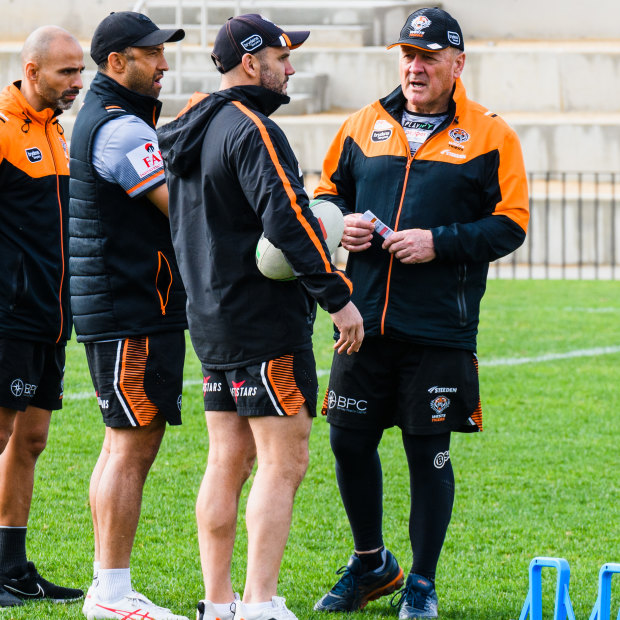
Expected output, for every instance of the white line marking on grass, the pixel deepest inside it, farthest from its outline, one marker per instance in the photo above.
(549, 357)
(593, 310)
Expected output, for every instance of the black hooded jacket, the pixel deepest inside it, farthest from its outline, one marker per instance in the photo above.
(231, 175)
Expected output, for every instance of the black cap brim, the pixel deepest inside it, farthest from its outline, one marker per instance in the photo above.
(159, 36)
(421, 46)
(296, 38)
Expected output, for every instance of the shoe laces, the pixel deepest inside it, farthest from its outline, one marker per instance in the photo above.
(413, 598)
(346, 582)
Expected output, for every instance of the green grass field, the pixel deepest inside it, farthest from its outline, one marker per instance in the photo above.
(543, 478)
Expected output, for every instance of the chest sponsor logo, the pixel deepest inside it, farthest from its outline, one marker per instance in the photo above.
(252, 42)
(459, 135)
(65, 148)
(34, 155)
(382, 131)
(145, 159)
(418, 25)
(210, 386)
(454, 155)
(240, 389)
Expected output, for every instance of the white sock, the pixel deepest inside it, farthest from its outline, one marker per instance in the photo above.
(253, 608)
(114, 583)
(96, 567)
(222, 609)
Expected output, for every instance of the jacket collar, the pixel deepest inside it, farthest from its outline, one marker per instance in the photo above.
(394, 103)
(21, 105)
(111, 92)
(258, 98)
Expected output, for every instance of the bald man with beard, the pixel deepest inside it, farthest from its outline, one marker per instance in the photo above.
(35, 320)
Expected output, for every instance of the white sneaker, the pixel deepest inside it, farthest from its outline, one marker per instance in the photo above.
(134, 606)
(206, 610)
(277, 611)
(88, 599)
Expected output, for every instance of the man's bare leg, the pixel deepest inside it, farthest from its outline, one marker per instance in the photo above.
(119, 492)
(94, 484)
(282, 455)
(17, 464)
(231, 456)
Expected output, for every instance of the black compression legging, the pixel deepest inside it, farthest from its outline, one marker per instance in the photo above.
(360, 480)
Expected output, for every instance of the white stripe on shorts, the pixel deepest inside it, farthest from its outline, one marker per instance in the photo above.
(116, 387)
(274, 400)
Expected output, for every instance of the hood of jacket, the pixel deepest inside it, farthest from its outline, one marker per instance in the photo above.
(181, 140)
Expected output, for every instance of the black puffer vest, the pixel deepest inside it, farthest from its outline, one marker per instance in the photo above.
(124, 276)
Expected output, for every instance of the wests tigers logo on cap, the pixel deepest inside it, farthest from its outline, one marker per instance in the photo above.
(418, 24)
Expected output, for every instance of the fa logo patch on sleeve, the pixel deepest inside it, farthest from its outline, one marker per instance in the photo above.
(145, 159)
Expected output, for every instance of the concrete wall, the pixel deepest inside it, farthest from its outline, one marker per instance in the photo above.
(536, 19)
(80, 17)
(481, 19)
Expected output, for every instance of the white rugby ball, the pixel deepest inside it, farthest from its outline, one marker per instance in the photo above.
(271, 261)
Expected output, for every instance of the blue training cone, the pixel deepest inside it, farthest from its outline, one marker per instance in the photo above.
(533, 602)
(602, 607)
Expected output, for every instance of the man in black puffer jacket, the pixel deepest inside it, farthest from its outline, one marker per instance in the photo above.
(127, 295)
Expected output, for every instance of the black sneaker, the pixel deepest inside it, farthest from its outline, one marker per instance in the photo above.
(9, 600)
(356, 587)
(417, 599)
(31, 586)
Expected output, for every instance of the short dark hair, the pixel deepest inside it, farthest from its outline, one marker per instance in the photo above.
(105, 65)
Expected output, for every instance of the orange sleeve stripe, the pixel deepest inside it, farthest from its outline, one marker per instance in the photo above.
(139, 185)
(513, 184)
(330, 165)
(287, 185)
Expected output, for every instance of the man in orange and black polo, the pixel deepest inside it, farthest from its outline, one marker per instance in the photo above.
(433, 187)
(34, 293)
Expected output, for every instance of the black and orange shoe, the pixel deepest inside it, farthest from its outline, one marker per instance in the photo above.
(356, 587)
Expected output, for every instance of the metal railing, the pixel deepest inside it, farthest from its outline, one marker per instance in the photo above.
(574, 230)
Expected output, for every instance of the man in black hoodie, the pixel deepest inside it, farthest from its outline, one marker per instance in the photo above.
(232, 176)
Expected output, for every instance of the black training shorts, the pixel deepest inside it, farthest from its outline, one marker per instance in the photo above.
(31, 373)
(275, 387)
(423, 390)
(137, 378)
